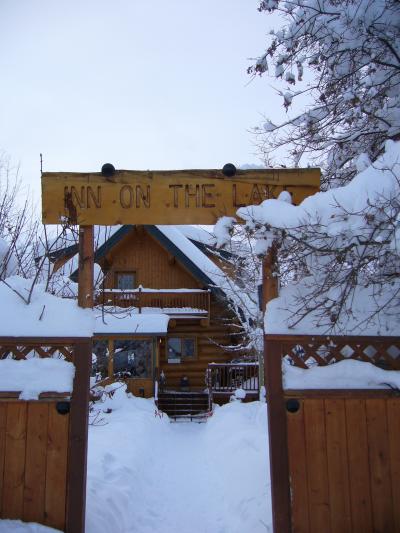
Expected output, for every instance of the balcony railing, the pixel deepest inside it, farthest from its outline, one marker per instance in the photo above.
(228, 377)
(170, 301)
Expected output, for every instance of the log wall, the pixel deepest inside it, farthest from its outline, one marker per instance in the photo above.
(154, 267)
(210, 342)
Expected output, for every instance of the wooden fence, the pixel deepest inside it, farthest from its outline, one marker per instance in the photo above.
(334, 454)
(43, 443)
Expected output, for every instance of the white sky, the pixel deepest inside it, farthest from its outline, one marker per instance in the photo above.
(138, 83)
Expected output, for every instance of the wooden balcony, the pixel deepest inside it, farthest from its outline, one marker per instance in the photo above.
(189, 302)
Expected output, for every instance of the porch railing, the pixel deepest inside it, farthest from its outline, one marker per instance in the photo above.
(225, 378)
(171, 301)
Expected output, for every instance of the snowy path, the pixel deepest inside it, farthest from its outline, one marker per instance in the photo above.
(177, 480)
(147, 475)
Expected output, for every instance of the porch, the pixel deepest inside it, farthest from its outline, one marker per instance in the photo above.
(221, 380)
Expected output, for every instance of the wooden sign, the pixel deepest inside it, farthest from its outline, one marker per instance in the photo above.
(165, 197)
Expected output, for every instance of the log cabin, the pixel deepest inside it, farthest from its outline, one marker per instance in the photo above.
(166, 317)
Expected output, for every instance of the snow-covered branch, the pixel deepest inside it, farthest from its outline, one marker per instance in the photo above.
(351, 51)
(338, 248)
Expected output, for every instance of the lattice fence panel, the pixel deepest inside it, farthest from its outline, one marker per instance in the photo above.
(310, 351)
(21, 351)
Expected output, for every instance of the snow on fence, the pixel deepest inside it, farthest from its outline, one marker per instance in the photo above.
(334, 451)
(43, 441)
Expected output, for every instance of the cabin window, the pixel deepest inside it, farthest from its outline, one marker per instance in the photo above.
(100, 357)
(181, 347)
(133, 358)
(125, 281)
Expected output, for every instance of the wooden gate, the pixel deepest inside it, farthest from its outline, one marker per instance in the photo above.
(34, 457)
(335, 454)
(43, 443)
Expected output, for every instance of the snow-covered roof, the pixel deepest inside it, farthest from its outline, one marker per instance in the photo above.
(217, 277)
(208, 267)
(130, 322)
(45, 316)
(201, 234)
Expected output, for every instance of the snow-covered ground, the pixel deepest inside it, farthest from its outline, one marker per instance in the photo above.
(148, 475)
(16, 526)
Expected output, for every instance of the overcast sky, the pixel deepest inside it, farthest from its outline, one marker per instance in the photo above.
(141, 84)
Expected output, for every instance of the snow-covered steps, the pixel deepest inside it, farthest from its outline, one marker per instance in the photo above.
(184, 405)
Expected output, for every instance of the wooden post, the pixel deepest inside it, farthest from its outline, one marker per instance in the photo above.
(86, 260)
(270, 279)
(269, 292)
(277, 430)
(76, 497)
(78, 439)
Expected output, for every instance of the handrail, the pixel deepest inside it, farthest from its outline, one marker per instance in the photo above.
(228, 377)
(187, 301)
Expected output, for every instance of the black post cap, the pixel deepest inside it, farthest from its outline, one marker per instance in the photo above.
(108, 170)
(229, 170)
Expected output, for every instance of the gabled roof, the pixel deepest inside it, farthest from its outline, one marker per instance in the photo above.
(188, 252)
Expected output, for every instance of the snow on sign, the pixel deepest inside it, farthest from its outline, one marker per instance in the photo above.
(165, 197)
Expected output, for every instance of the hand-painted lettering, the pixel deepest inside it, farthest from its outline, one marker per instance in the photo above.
(126, 196)
(255, 195)
(207, 196)
(176, 190)
(189, 193)
(235, 197)
(84, 197)
(142, 196)
(171, 197)
(96, 198)
(78, 200)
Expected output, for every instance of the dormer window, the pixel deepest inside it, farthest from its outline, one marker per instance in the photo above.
(125, 281)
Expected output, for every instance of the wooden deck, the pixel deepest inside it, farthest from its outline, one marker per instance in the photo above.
(223, 379)
(176, 302)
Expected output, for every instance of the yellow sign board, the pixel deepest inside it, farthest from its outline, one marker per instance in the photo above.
(165, 197)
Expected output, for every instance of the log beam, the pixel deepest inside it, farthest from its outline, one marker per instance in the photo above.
(86, 260)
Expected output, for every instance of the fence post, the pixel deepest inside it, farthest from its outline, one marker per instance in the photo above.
(78, 439)
(277, 434)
